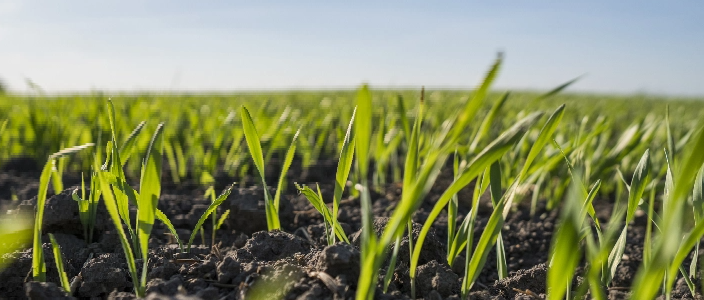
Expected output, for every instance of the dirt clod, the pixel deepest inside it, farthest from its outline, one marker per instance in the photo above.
(436, 277)
(271, 246)
(44, 290)
(104, 274)
(339, 259)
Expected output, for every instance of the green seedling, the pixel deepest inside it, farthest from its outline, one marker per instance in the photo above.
(118, 195)
(483, 160)
(670, 249)
(565, 251)
(421, 176)
(344, 165)
(640, 179)
(255, 150)
(38, 263)
(88, 207)
(332, 228)
(150, 188)
(211, 208)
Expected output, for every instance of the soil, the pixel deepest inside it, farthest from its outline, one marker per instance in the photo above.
(246, 261)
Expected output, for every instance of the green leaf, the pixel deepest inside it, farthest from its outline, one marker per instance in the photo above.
(390, 271)
(565, 251)
(670, 250)
(211, 208)
(615, 257)
(558, 89)
(483, 160)
(111, 206)
(486, 242)
(164, 219)
(284, 169)
(38, 263)
(129, 144)
(476, 101)
(150, 190)
(495, 182)
(698, 194)
(123, 192)
(483, 130)
(255, 150)
(363, 129)
(363, 134)
(222, 219)
(317, 202)
(670, 138)
(544, 136)
(588, 206)
(60, 264)
(402, 114)
(465, 233)
(640, 179)
(57, 181)
(452, 209)
(344, 165)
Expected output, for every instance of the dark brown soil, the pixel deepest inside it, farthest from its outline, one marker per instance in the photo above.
(296, 263)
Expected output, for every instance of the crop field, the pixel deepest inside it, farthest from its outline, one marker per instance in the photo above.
(357, 194)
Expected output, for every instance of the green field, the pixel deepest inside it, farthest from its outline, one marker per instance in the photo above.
(640, 154)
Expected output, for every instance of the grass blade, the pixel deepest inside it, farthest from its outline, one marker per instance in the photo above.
(150, 189)
(483, 130)
(670, 138)
(558, 89)
(363, 129)
(344, 166)
(640, 179)
(363, 135)
(60, 264)
(38, 263)
(475, 103)
(565, 252)
(392, 264)
(284, 169)
(452, 208)
(465, 234)
(164, 219)
(482, 161)
(544, 137)
(486, 241)
(255, 150)
(669, 248)
(402, 114)
(495, 188)
(128, 146)
(317, 202)
(222, 219)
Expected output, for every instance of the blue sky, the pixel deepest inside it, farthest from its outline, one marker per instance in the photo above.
(622, 46)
